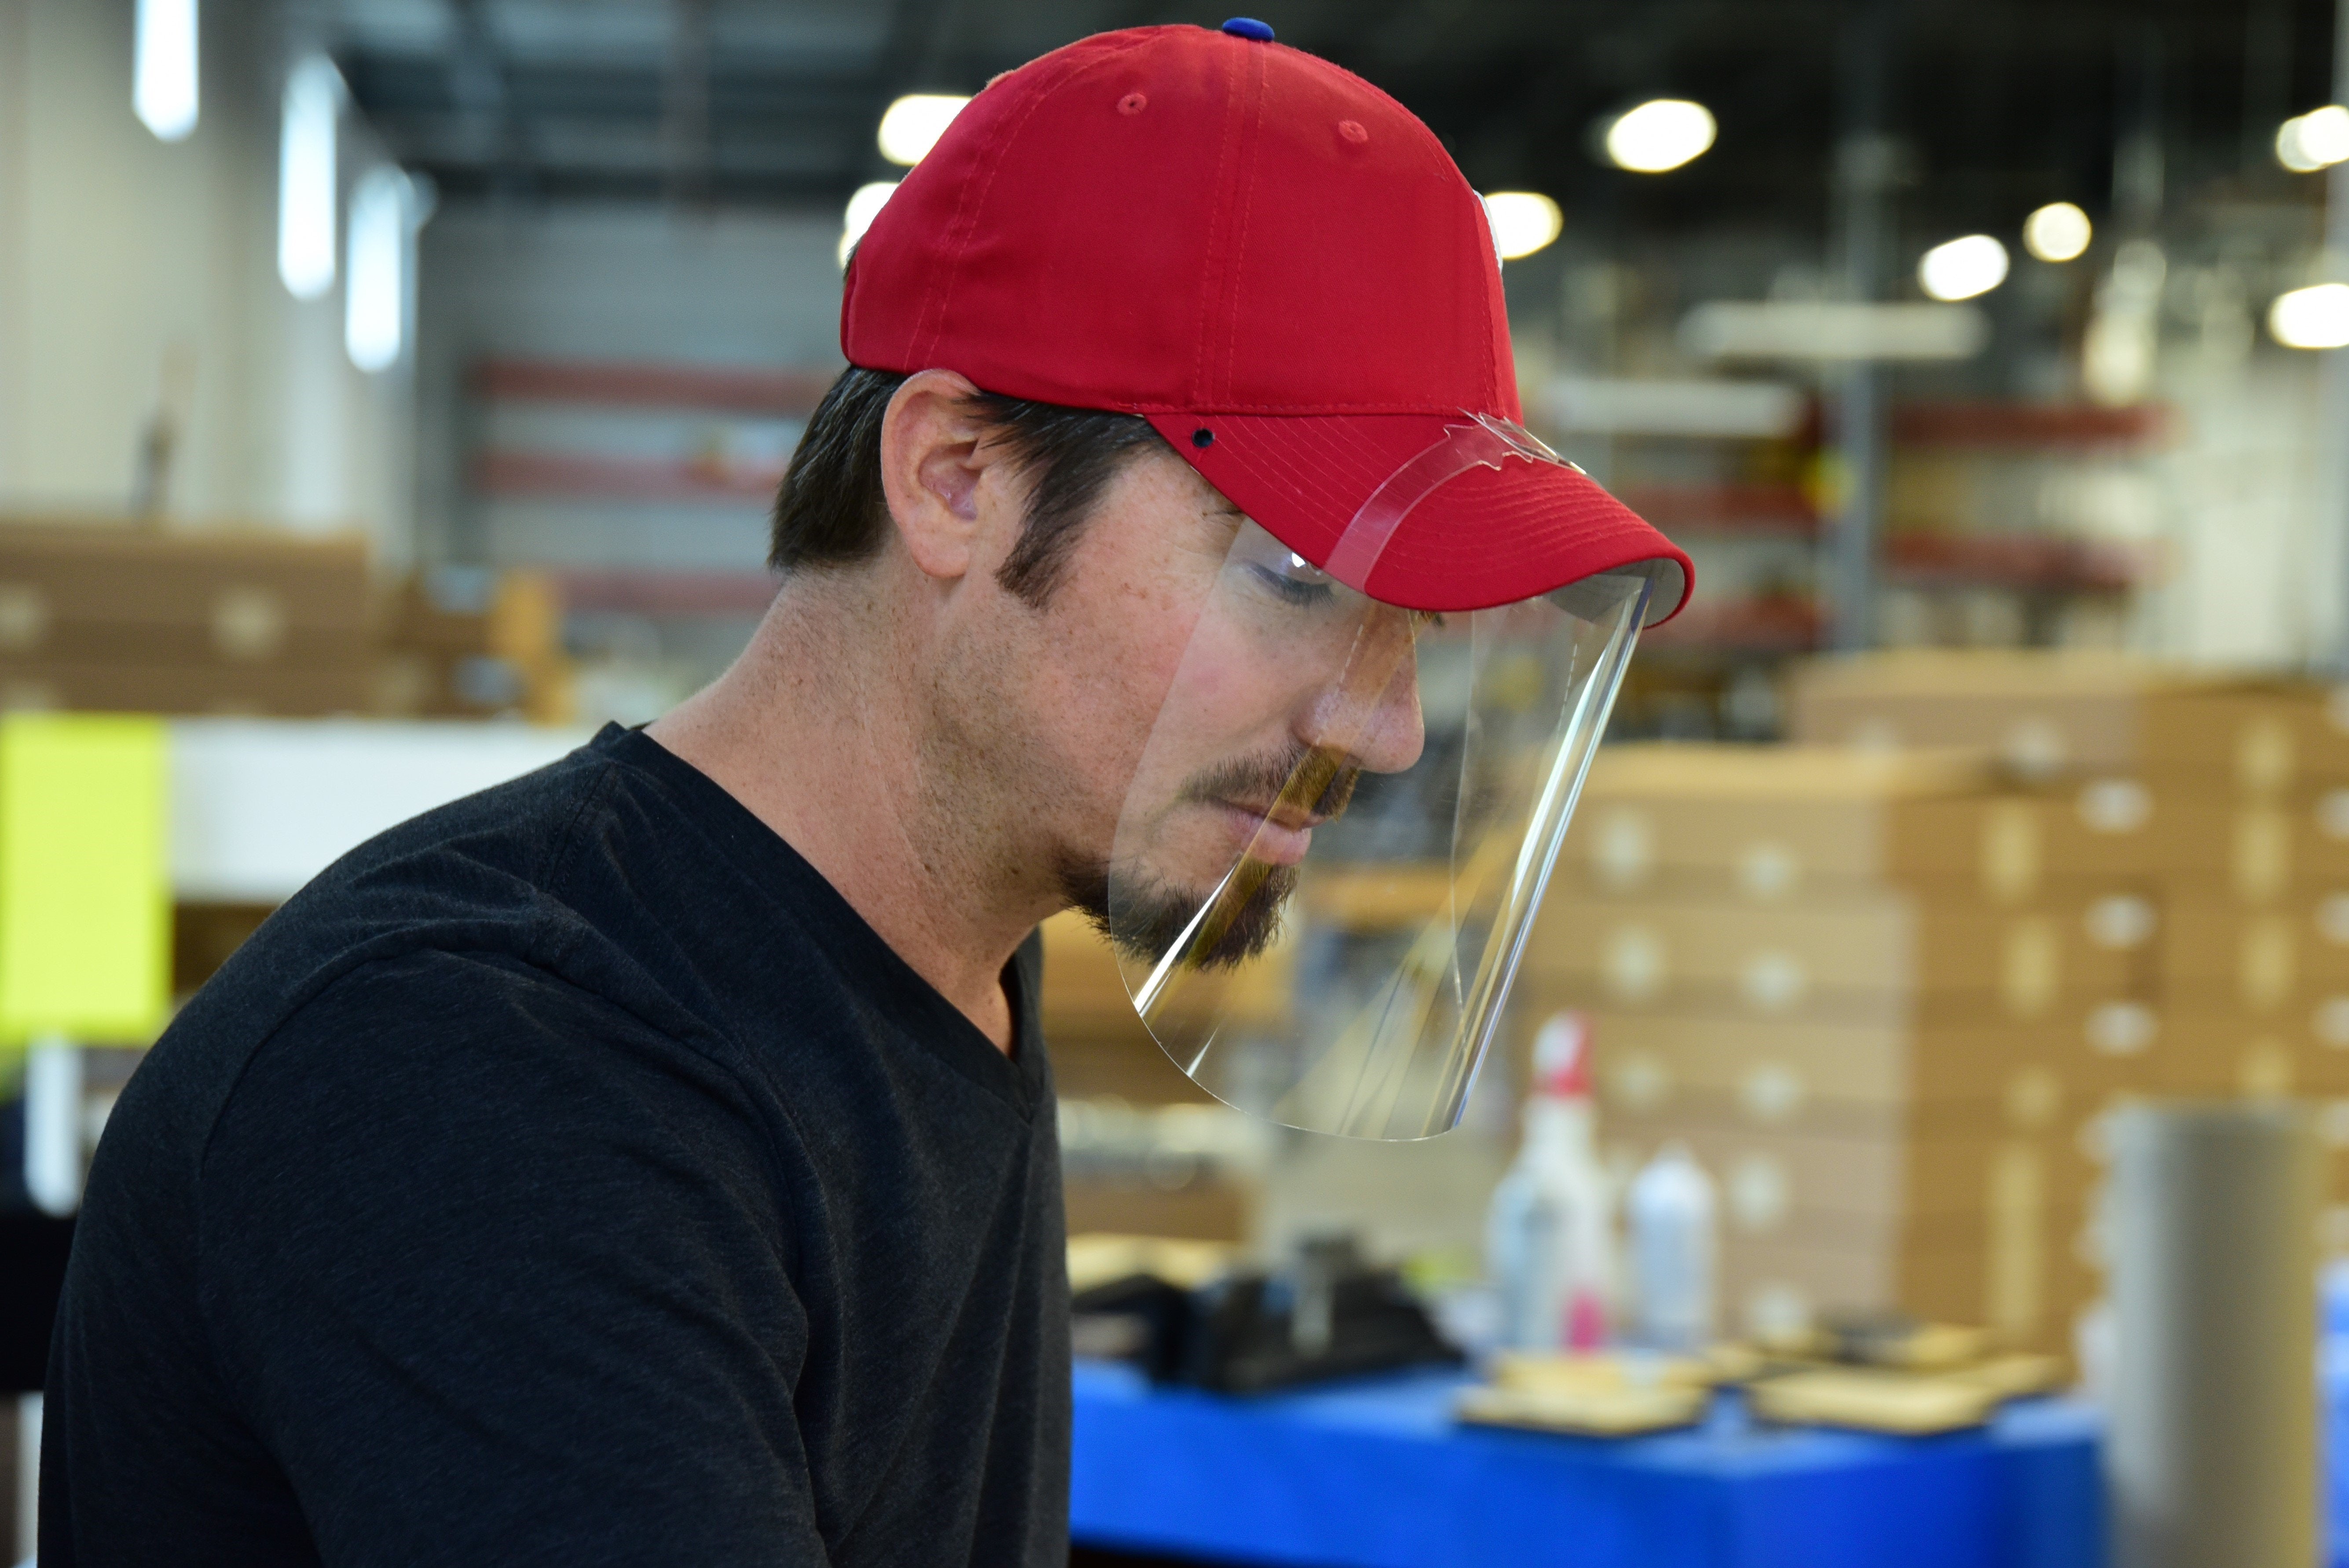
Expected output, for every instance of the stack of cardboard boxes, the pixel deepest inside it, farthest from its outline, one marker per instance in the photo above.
(1874, 992)
(2244, 787)
(109, 618)
(471, 643)
(1115, 1087)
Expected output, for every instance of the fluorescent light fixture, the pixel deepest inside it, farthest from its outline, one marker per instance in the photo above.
(2314, 318)
(863, 208)
(1589, 405)
(1523, 221)
(306, 179)
(1832, 330)
(912, 126)
(163, 68)
(2315, 141)
(2059, 231)
(1961, 268)
(375, 294)
(1661, 134)
(2324, 135)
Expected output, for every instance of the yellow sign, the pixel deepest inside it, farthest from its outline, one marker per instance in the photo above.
(84, 889)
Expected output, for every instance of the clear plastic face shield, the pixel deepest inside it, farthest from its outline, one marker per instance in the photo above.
(1326, 868)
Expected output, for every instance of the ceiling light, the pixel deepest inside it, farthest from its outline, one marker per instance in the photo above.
(305, 179)
(1661, 134)
(2059, 231)
(163, 68)
(912, 125)
(2287, 150)
(2317, 139)
(2315, 318)
(863, 208)
(375, 293)
(1962, 268)
(1523, 221)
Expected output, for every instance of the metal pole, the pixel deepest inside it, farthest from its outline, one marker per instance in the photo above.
(2332, 384)
(2211, 1455)
(53, 1125)
(1866, 166)
(685, 103)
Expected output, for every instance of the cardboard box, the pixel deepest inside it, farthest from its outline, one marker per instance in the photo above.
(2028, 1287)
(2257, 959)
(1203, 1210)
(75, 593)
(1098, 1043)
(1770, 823)
(248, 630)
(2048, 713)
(2119, 826)
(2296, 1052)
(1822, 1187)
(1129, 1068)
(459, 611)
(1821, 955)
(1842, 1078)
(204, 936)
(471, 642)
(285, 690)
(1959, 1057)
(2275, 849)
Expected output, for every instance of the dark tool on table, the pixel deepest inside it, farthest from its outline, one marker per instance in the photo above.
(1326, 1314)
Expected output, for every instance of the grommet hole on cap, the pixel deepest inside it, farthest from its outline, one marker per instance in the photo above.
(1203, 438)
(1132, 103)
(1351, 129)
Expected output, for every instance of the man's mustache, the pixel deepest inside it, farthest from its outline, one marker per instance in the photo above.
(1308, 780)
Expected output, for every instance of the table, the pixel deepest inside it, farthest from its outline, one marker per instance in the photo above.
(1375, 1474)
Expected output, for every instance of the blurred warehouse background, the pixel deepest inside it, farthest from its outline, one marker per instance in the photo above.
(544, 285)
(433, 363)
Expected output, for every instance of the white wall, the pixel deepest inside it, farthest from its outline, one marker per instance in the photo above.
(606, 283)
(2250, 557)
(127, 264)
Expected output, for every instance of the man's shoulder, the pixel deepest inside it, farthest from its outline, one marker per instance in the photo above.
(454, 917)
(489, 1035)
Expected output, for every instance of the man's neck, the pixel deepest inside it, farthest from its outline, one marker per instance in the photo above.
(818, 733)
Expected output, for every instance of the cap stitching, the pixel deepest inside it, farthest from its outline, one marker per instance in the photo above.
(1210, 405)
(939, 293)
(1255, 74)
(1200, 364)
(1595, 521)
(1443, 166)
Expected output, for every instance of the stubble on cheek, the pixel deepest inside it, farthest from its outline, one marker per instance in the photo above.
(1114, 638)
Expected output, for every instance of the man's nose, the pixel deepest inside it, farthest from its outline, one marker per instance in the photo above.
(1376, 721)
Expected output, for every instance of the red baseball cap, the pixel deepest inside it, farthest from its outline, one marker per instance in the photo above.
(1273, 262)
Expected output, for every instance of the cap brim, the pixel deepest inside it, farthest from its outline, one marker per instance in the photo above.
(1490, 536)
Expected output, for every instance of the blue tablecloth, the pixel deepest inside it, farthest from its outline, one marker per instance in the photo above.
(1377, 1475)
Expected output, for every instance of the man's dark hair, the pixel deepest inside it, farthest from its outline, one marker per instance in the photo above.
(831, 510)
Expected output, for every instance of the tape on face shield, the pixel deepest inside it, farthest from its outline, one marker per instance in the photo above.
(1346, 811)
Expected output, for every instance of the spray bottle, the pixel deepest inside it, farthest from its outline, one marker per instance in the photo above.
(1670, 1211)
(1547, 1233)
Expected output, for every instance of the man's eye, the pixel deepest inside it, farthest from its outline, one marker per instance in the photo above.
(1296, 580)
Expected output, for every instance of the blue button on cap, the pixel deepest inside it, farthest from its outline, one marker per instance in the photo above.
(1249, 27)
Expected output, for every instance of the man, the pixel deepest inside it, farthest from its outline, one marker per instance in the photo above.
(652, 1160)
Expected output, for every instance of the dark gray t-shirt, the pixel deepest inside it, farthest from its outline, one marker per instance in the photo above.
(569, 1176)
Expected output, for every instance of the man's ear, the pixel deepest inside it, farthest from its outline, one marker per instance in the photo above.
(933, 458)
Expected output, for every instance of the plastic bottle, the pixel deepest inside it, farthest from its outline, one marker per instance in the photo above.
(1671, 1212)
(1547, 1233)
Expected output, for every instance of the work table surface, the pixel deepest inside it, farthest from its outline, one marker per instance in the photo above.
(1376, 1474)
